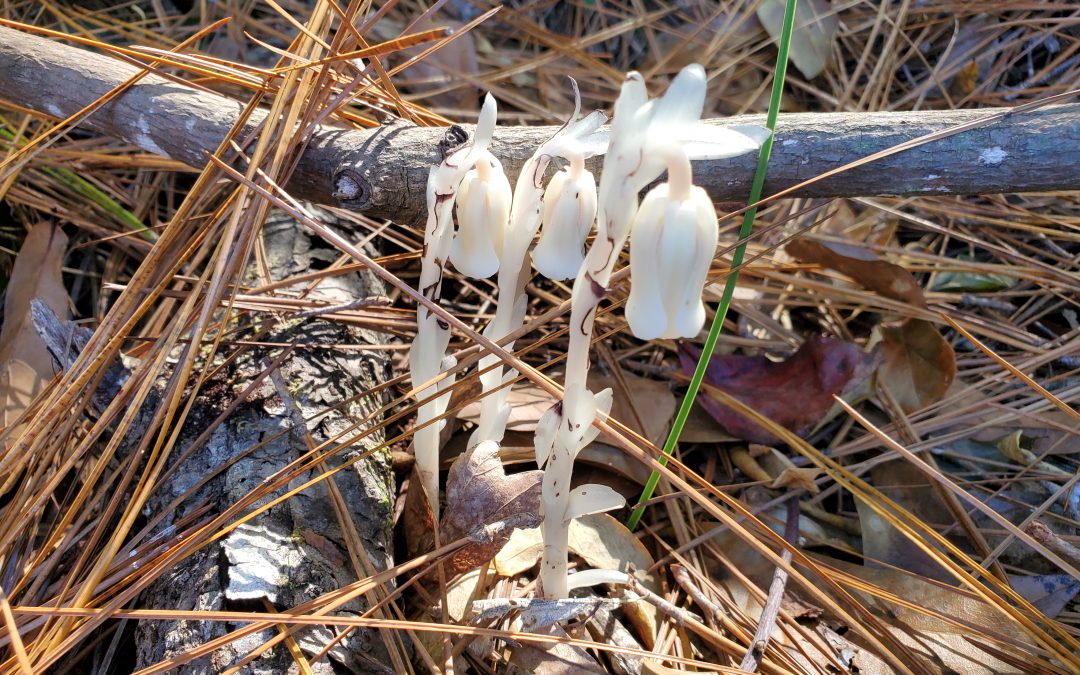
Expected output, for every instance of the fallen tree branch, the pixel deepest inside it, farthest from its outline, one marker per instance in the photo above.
(383, 171)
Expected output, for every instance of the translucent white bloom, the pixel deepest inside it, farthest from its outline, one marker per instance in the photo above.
(644, 131)
(483, 211)
(569, 211)
(672, 243)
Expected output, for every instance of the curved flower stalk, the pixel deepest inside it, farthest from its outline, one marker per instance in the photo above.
(577, 140)
(427, 355)
(646, 138)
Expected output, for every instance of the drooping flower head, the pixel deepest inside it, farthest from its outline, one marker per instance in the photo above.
(427, 354)
(577, 140)
(671, 248)
(569, 212)
(483, 211)
(674, 232)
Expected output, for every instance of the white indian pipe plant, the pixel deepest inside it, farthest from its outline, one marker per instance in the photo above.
(483, 195)
(679, 223)
(675, 231)
(576, 141)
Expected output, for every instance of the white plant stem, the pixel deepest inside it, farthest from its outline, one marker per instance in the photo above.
(510, 310)
(427, 356)
(632, 161)
(525, 216)
(615, 213)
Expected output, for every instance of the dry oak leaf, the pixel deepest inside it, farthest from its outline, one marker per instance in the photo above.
(862, 265)
(918, 365)
(796, 393)
(478, 492)
(527, 403)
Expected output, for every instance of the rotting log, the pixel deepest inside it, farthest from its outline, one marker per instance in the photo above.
(304, 547)
(383, 172)
(297, 550)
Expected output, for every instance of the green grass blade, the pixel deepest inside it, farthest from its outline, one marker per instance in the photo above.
(86, 189)
(736, 261)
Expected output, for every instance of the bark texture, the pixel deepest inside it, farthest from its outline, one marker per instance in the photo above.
(296, 550)
(383, 172)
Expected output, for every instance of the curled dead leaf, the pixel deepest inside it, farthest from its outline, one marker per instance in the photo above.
(862, 265)
(478, 492)
(25, 363)
(918, 364)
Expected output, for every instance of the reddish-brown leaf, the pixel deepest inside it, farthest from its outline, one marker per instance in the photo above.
(478, 492)
(796, 393)
(862, 265)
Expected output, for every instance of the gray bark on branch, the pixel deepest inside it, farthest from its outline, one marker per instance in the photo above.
(383, 172)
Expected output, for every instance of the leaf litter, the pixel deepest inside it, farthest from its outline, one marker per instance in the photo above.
(982, 260)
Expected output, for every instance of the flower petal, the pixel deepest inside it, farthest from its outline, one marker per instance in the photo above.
(710, 141)
(603, 409)
(645, 310)
(595, 577)
(684, 99)
(546, 428)
(569, 211)
(485, 124)
(588, 499)
(483, 210)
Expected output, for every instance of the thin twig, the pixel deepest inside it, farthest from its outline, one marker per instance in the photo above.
(1048, 538)
(682, 577)
(677, 614)
(752, 660)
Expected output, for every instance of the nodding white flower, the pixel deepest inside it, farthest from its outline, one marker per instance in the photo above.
(672, 242)
(483, 211)
(569, 211)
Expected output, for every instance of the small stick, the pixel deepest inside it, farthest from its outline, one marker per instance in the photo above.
(752, 660)
(681, 616)
(682, 577)
(1048, 538)
(691, 621)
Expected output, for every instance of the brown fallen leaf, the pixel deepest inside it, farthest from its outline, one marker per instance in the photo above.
(478, 492)
(882, 543)
(796, 393)
(939, 645)
(25, 364)
(645, 405)
(700, 427)
(862, 265)
(527, 403)
(918, 365)
(559, 658)
(417, 519)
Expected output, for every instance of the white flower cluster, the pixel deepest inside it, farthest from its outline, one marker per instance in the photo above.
(673, 239)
